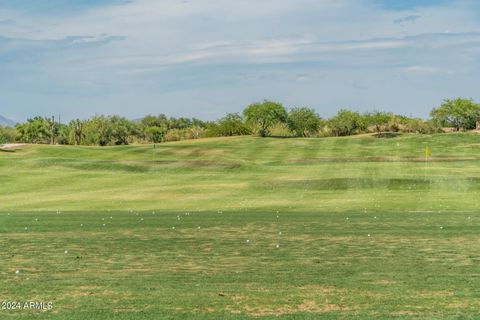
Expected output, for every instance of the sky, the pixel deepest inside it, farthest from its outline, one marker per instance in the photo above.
(204, 58)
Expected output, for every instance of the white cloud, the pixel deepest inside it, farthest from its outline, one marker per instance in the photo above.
(426, 69)
(153, 47)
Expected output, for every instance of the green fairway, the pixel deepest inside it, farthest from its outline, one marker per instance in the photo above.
(240, 228)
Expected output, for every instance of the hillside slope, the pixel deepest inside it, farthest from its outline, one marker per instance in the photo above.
(246, 173)
(6, 122)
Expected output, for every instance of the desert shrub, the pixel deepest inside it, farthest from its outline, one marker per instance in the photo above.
(7, 135)
(346, 123)
(178, 135)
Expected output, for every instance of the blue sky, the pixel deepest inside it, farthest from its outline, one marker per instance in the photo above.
(204, 58)
(411, 4)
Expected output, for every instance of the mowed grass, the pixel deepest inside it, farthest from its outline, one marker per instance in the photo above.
(242, 228)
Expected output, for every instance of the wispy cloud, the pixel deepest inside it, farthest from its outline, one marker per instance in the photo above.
(106, 55)
(296, 50)
(407, 19)
(426, 70)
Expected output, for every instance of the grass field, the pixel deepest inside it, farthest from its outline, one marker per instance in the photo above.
(242, 228)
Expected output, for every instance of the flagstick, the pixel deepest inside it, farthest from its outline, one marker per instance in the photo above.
(427, 154)
(426, 164)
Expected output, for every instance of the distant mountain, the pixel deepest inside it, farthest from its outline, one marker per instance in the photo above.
(6, 122)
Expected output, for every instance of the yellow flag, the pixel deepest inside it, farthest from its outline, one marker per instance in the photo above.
(428, 152)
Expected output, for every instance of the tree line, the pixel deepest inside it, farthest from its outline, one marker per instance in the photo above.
(264, 119)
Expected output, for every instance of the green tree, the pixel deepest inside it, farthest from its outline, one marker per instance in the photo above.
(154, 128)
(97, 131)
(36, 130)
(303, 121)
(262, 116)
(231, 125)
(346, 123)
(63, 133)
(121, 130)
(458, 113)
(154, 134)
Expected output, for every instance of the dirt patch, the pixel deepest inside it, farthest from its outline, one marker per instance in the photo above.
(435, 294)
(316, 299)
(384, 282)
(313, 307)
(457, 305)
(11, 147)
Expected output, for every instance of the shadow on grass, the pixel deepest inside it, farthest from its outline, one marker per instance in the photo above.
(354, 184)
(387, 135)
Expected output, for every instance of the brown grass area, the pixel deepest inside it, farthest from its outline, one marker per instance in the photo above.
(308, 306)
(384, 282)
(435, 294)
(97, 293)
(458, 305)
(315, 299)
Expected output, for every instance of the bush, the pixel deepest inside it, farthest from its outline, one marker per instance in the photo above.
(394, 125)
(36, 130)
(230, 125)
(179, 134)
(377, 121)
(347, 123)
(111, 130)
(421, 127)
(303, 122)
(7, 135)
